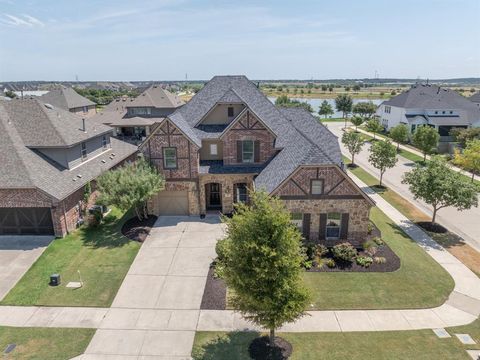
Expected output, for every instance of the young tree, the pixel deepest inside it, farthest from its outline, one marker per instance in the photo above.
(365, 109)
(344, 103)
(440, 186)
(426, 139)
(470, 158)
(357, 121)
(10, 94)
(464, 135)
(399, 134)
(383, 156)
(374, 126)
(353, 142)
(130, 186)
(325, 109)
(261, 263)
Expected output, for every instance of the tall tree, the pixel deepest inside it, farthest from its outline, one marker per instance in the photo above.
(399, 134)
(357, 121)
(374, 126)
(285, 101)
(365, 109)
(130, 186)
(464, 135)
(470, 158)
(325, 109)
(353, 142)
(426, 139)
(261, 263)
(344, 103)
(383, 156)
(440, 186)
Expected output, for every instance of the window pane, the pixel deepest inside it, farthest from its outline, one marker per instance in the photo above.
(333, 225)
(170, 158)
(213, 149)
(297, 220)
(317, 187)
(247, 151)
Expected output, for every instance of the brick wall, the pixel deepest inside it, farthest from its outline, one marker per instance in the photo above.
(248, 127)
(24, 198)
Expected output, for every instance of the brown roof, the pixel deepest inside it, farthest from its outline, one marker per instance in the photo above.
(156, 97)
(66, 98)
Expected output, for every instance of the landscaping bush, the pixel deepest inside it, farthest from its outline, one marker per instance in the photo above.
(321, 250)
(307, 264)
(330, 263)
(369, 228)
(378, 241)
(344, 251)
(94, 218)
(370, 247)
(364, 261)
(379, 260)
(310, 250)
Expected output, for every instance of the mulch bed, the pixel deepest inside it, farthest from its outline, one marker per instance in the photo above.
(392, 264)
(260, 349)
(435, 228)
(137, 230)
(215, 293)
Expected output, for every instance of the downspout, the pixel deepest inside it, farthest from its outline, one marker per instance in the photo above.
(65, 216)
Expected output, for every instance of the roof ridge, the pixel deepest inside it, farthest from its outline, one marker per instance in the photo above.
(53, 123)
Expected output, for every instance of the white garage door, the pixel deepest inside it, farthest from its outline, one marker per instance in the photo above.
(170, 203)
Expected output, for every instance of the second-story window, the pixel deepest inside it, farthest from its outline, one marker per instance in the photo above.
(388, 109)
(230, 111)
(104, 141)
(316, 187)
(213, 149)
(247, 151)
(169, 158)
(84, 151)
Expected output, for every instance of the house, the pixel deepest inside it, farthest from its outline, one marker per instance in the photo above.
(229, 138)
(48, 155)
(432, 105)
(475, 98)
(68, 99)
(133, 119)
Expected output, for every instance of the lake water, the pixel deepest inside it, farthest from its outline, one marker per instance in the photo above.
(315, 103)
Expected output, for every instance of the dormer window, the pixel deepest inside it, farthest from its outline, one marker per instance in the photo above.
(316, 187)
(104, 141)
(230, 111)
(84, 151)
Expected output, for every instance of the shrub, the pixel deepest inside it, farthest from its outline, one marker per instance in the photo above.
(307, 264)
(369, 228)
(321, 250)
(379, 260)
(94, 218)
(330, 263)
(370, 247)
(309, 249)
(364, 261)
(344, 251)
(378, 241)
(221, 249)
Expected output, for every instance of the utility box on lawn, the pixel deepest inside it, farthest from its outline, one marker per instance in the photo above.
(54, 279)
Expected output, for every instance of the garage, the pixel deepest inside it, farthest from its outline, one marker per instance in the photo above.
(26, 221)
(170, 203)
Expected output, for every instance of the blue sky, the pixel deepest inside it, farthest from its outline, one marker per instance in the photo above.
(165, 39)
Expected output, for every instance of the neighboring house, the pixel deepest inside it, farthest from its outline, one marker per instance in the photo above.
(68, 99)
(475, 98)
(425, 104)
(133, 119)
(229, 139)
(47, 157)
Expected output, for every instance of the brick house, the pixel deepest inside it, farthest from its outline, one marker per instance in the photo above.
(68, 99)
(47, 156)
(230, 138)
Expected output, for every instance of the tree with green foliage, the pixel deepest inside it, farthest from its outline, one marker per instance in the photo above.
(261, 262)
(357, 121)
(469, 159)
(325, 109)
(439, 186)
(10, 94)
(324, 87)
(285, 101)
(464, 135)
(383, 156)
(344, 103)
(356, 87)
(399, 134)
(130, 186)
(374, 126)
(330, 88)
(365, 109)
(353, 142)
(426, 139)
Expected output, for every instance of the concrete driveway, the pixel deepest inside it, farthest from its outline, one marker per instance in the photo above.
(17, 254)
(156, 310)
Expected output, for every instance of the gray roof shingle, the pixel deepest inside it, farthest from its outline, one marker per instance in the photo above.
(156, 96)
(66, 98)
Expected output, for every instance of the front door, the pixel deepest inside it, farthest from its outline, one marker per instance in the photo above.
(214, 198)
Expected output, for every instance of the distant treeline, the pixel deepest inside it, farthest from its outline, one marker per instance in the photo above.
(104, 96)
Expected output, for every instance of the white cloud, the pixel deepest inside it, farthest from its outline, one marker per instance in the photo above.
(23, 20)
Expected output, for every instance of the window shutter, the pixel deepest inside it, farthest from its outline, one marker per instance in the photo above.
(323, 226)
(256, 151)
(306, 226)
(344, 226)
(239, 151)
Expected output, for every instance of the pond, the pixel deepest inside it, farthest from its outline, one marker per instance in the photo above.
(315, 103)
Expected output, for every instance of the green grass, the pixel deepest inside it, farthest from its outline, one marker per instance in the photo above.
(392, 345)
(45, 343)
(393, 290)
(103, 256)
(332, 120)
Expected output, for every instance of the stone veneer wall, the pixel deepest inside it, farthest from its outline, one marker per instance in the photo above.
(248, 127)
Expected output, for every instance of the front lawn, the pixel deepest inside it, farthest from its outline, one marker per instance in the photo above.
(103, 256)
(419, 283)
(416, 344)
(44, 343)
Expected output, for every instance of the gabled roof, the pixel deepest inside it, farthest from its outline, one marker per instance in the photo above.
(65, 98)
(41, 125)
(156, 96)
(25, 167)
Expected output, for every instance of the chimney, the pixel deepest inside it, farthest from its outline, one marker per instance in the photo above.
(83, 125)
